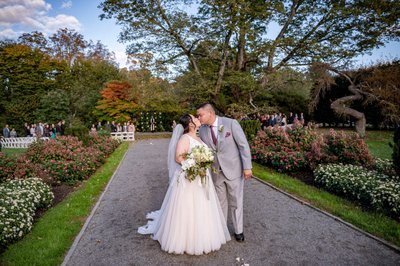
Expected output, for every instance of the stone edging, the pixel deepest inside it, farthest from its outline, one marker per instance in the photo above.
(78, 238)
(384, 242)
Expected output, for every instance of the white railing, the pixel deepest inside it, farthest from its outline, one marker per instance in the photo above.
(124, 136)
(19, 142)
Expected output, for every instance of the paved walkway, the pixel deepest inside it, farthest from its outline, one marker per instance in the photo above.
(278, 229)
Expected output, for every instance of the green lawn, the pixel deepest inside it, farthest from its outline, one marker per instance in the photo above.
(54, 233)
(378, 143)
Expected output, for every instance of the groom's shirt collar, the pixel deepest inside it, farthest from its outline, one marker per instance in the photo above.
(215, 124)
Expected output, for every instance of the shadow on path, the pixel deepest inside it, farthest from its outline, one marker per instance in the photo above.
(278, 229)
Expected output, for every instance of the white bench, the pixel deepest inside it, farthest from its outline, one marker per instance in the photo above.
(18, 143)
(123, 136)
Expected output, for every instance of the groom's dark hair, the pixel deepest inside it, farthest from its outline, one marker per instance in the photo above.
(208, 106)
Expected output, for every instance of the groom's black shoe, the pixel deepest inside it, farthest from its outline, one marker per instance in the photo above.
(239, 237)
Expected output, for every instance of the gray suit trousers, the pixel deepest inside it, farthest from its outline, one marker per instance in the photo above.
(230, 195)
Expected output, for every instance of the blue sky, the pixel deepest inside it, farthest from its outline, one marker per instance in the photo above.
(19, 16)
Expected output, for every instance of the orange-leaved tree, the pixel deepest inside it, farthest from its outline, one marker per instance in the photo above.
(118, 102)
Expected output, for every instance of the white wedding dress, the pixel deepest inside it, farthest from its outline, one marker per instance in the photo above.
(190, 220)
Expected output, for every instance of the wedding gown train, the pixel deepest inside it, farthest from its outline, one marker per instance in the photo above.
(190, 220)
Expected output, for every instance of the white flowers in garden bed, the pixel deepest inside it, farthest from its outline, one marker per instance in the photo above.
(19, 199)
(368, 186)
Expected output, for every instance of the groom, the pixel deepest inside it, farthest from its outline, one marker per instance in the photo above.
(232, 162)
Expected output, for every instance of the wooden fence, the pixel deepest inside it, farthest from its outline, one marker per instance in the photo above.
(18, 143)
(123, 136)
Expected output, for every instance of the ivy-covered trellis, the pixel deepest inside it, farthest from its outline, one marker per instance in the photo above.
(162, 121)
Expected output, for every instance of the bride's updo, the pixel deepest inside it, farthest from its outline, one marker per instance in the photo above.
(185, 121)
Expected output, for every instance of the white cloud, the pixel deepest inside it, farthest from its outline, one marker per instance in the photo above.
(8, 34)
(52, 24)
(66, 4)
(32, 15)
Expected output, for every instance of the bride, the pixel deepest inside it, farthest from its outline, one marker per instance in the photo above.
(190, 220)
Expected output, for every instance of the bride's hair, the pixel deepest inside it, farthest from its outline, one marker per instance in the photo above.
(185, 121)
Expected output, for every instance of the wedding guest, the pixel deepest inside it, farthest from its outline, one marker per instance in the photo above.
(13, 133)
(119, 127)
(58, 128)
(279, 119)
(295, 120)
(283, 122)
(131, 127)
(108, 126)
(53, 131)
(113, 127)
(173, 124)
(46, 130)
(33, 130)
(39, 130)
(27, 130)
(290, 118)
(98, 127)
(125, 127)
(6, 132)
(62, 128)
(93, 130)
(301, 120)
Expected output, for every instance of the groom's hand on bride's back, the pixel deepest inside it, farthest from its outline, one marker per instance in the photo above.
(247, 173)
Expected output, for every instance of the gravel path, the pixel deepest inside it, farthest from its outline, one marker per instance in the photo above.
(279, 230)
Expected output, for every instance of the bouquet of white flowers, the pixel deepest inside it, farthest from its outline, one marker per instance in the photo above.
(197, 162)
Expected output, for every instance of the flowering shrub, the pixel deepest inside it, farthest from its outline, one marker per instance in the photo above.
(103, 143)
(358, 183)
(283, 150)
(67, 159)
(339, 147)
(19, 200)
(386, 167)
(7, 167)
(20, 168)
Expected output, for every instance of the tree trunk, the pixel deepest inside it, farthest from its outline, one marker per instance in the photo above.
(222, 65)
(339, 106)
(240, 64)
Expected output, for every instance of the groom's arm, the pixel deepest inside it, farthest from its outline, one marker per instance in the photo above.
(242, 144)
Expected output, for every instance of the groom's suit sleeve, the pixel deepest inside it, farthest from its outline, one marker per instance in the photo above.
(242, 144)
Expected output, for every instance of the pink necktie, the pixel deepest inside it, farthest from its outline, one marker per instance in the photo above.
(214, 138)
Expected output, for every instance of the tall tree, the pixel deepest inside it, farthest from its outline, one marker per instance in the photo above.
(68, 45)
(25, 75)
(117, 103)
(239, 33)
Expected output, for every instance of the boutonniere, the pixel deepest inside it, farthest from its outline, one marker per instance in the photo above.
(221, 128)
(227, 134)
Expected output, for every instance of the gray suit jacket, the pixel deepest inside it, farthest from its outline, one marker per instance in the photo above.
(232, 150)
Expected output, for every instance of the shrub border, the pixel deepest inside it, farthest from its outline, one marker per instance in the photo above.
(390, 245)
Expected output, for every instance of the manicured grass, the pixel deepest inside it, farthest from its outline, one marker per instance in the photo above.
(378, 143)
(372, 222)
(13, 152)
(54, 233)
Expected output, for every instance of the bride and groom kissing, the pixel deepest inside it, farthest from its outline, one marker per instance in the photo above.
(193, 216)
